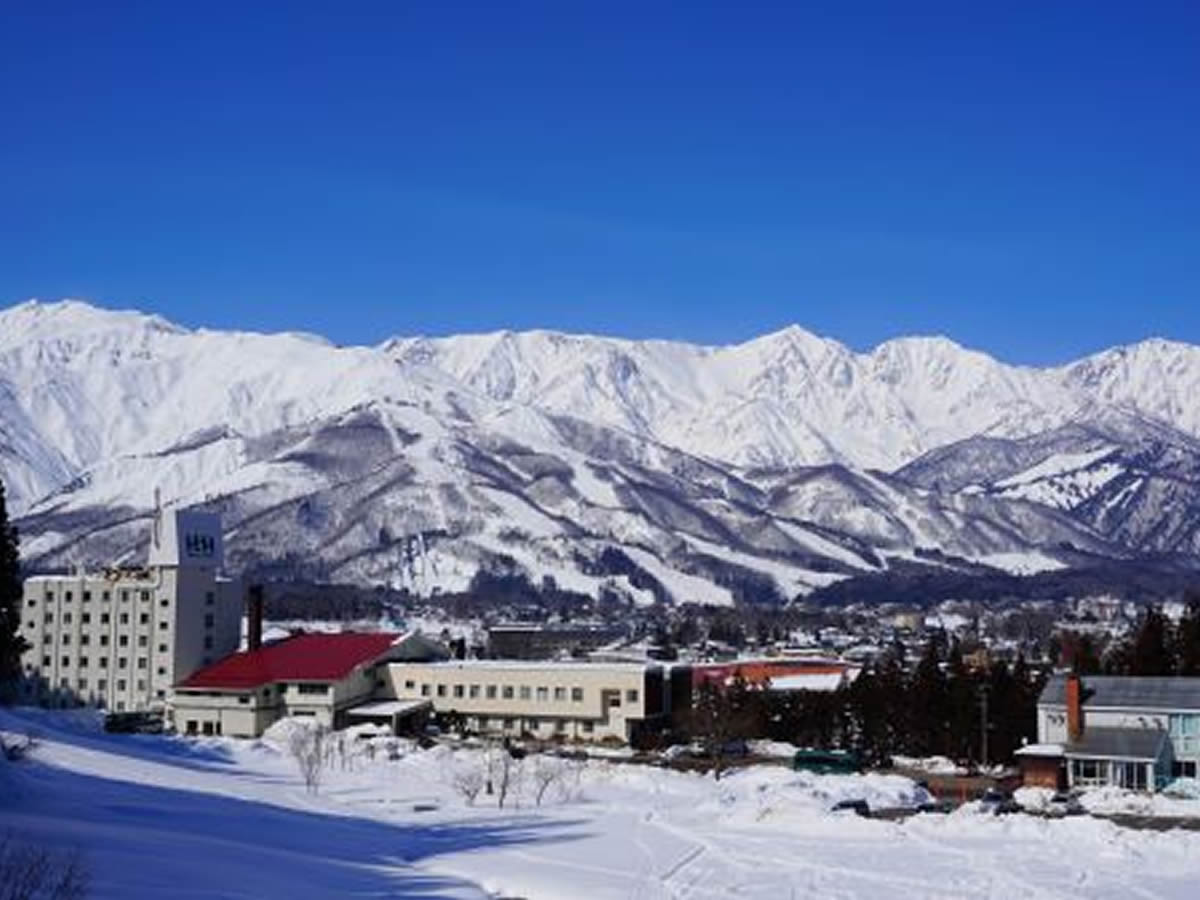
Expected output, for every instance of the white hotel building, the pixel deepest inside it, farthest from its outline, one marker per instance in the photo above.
(121, 639)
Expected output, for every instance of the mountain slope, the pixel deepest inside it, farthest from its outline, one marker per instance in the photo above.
(662, 470)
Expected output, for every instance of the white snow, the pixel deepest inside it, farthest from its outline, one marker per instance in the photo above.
(1028, 563)
(166, 817)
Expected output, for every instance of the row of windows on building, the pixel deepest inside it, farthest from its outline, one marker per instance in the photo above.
(82, 662)
(531, 724)
(106, 619)
(81, 685)
(539, 694)
(106, 597)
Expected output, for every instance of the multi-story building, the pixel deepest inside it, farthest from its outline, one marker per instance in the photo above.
(567, 700)
(121, 639)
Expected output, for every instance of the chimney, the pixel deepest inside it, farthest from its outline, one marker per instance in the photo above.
(254, 616)
(1074, 708)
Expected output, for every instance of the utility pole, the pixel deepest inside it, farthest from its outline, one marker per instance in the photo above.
(983, 723)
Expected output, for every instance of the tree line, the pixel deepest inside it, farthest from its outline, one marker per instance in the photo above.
(937, 708)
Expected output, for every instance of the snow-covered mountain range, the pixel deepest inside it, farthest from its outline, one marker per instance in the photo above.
(754, 471)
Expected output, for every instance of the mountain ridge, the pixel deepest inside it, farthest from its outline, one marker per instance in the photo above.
(419, 460)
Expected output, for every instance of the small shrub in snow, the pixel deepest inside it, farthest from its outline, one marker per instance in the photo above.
(311, 748)
(29, 872)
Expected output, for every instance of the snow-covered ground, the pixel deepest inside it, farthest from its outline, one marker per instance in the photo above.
(166, 817)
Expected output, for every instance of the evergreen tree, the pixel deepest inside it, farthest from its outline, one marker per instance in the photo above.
(928, 706)
(1151, 653)
(12, 645)
(1187, 638)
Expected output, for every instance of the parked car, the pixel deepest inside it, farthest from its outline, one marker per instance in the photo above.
(1065, 803)
(858, 807)
(998, 803)
(935, 806)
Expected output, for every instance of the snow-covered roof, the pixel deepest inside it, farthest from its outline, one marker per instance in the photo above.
(1040, 750)
(808, 681)
(387, 708)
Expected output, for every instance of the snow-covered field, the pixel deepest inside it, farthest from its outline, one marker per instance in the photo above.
(166, 817)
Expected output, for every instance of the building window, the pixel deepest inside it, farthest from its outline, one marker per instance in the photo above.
(560, 726)
(83, 662)
(491, 692)
(123, 640)
(66, 639)
(164, 602)
(87, 596)
(631, 696)
(162, 648)
(143, 641)
(49, 596)
(120, 684)
(532, 724)
(576, 695)
(81, 684)
(313, 688)
(560, 693)
(104, 662)
(162, 670)
(102, 685)
(85, 639)
(424, 690)
(208, 621)
(473, 692)
(141, 662)
(588, 727)
(410, 685)
(160, 693)
(49, 618)
(208, 642)
(104, 640)
(543, 695)
(209, 599)
(45, 662)
(162, 626)
(31, 602)
(508, 692)
(47, 639)
(526, 693)
(441, 690)
(124, 596)
(66, 662)
(67, 597)
(31, 624)
(144, 619)
(508, 724)
(105, 618)
(124, 620)
(64, 682)
(122, 662)
(106, 596)
(86, 618)
(145, 596)
(243, 699)
(614, 698)
(458, 691)
(66, 618)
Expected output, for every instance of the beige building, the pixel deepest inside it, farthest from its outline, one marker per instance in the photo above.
(121, 638)
(324, 677)
(568, 700)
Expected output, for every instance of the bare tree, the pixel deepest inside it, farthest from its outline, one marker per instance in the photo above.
(547, 771)
(510, 776)
(311, 749)
(28, 872)
(468, 780)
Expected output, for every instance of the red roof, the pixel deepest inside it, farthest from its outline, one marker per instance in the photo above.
(305, 657)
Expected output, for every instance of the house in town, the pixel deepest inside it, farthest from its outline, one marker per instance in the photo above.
(1131, 732)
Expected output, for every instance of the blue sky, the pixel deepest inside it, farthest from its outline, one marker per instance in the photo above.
(1024, 181)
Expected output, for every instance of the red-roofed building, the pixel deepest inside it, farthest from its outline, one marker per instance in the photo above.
(311, 675)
